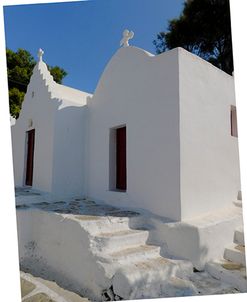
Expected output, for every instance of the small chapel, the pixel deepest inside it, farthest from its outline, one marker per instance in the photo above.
(158, 133)
(158, 137)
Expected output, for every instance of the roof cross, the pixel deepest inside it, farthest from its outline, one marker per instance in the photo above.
(40, 54)
(127, 35)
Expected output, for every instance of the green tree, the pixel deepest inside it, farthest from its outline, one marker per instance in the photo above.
(57, 73)
(20, 66)
(204, 28)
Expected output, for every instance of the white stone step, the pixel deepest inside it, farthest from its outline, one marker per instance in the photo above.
(102, 224)
(235, 254)
(181, 268)
(152, 278)
(134, 254)
(239, 237)
(116, 241)
(229, 272)
(113, 261)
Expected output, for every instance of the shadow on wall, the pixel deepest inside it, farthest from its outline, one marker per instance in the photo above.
(59, 151)
(179, 240)
(69, 152)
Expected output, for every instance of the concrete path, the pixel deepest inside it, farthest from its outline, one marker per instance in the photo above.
(34, 289)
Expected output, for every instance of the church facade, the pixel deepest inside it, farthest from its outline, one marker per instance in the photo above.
(158, 134)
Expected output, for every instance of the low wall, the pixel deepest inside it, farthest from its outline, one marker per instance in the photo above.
(57, 248)
(199, 240)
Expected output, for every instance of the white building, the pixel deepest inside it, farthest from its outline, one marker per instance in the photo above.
(157, 134)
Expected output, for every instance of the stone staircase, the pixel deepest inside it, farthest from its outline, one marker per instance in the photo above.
(232, 269)
(136, 268)
(111, 254)
(236, 253)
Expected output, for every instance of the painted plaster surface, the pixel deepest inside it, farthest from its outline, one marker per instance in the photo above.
(57, 113)
(141, 91)
(209, 160)
(196, 238)
(182, 161)
(112, 252)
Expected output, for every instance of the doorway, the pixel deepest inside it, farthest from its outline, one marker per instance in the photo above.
(30, 155)
(121, 175)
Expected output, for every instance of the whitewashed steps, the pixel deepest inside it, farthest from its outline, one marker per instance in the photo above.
(231, 269)
(229, 272)
(122, 262)
(239, 237)
(158, 275)
(137, 268)
(235, 254)
(112, 262)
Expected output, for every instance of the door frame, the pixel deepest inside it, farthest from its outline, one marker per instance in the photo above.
(121, 158)
(29, 157)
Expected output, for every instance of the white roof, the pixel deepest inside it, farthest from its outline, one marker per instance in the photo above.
(60, 91)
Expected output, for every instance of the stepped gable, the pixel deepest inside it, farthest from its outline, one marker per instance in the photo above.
(57, 90)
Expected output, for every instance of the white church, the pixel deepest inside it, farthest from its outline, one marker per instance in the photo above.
(158, 135)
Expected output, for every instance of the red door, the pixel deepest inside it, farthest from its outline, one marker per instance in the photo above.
(121, 159)
(30, 152)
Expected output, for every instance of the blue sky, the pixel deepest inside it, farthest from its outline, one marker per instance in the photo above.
(81, 37)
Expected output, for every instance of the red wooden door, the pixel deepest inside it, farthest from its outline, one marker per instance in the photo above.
(121, 175)
(30, 152)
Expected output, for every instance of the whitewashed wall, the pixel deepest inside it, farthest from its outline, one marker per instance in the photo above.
(181, 158)
(209, 160)
(138, 90)
(69, 151)
(42, 111)
(58, 115)
(59, 249)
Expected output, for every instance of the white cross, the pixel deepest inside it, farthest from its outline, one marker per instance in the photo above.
(127, 35)
(40, 54)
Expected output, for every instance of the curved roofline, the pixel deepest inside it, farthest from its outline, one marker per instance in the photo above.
(142, 52)
(135, 51)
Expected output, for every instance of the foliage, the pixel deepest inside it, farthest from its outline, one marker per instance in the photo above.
(20, 66)
(15, 100)
(57, 73)
(204, 28)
